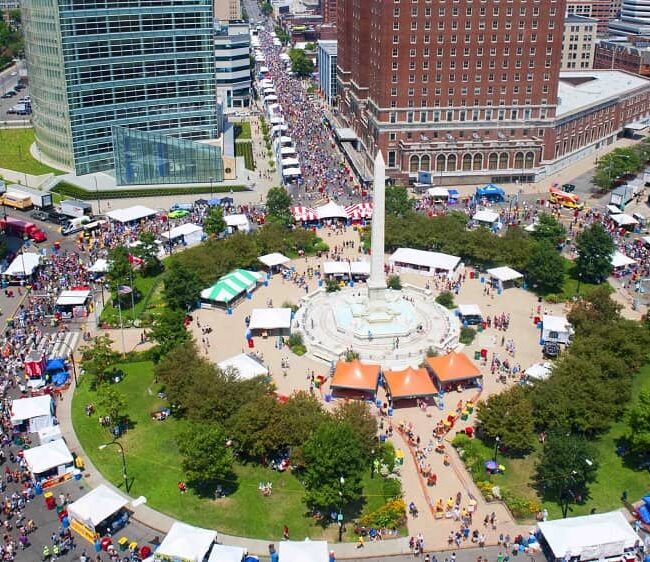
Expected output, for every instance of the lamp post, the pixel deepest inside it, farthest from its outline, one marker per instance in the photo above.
(372, 463)
(124, 472)
(579, 281)
(74, 365)
(340, 515)
(497, 440)
(211, 190)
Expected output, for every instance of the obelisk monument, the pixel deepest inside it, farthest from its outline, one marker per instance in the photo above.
(377, 281)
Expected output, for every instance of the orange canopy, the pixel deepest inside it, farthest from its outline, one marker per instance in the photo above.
(355, 375)
(453, 367)
(410, 383)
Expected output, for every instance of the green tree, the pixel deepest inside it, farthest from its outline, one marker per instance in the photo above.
(97, 358)
(446, 299)
(112, 403)
(358, 416)
(301, 64)
(206, 458)
(182, 287)
(596, 308)
(545, 268)
(120, 271)
(278, 206)
(549, 229)
(168, 330)
(566, 467)
(147, 251)
(333, 452)
(214, 223)
(256, 430)
(398, 202)
(638, 420)
(509, 417)
(267, 8)
(394, 282)
(617, 163)
(300, 416)
(514, 248)
(595, 249)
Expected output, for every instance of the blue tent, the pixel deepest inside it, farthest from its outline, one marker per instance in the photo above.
(55, 365)
(213, 202)
(491, 192)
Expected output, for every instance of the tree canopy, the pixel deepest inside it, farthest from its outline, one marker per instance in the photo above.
(617, 163)
(168, 331)
(97, 357)
(147, 251)
(639, 425)
(595, 249)
(301, 64)
(182, 287)
(120, 271)
(278, 206)
(549, 229)
(214, 223)
(398, 202)
(545, 268)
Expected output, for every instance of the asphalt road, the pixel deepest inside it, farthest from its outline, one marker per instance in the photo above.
(8, 80)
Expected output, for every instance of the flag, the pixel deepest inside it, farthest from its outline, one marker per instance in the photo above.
(124, 290)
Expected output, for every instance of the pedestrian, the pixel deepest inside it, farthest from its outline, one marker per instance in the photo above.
(360, 543)
(285, 533)
(46, 552)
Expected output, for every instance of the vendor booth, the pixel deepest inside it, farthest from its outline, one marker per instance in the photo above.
(360, 269)
(23, 265)
(186, 234)
(539, 371)
(502, 277)
(185, 543)
(74, 303)
(100, 512)
(270, 322)
(490, 192)
(244, 366)
(339, 269)
(231, 287)
(99, 267)
(225, 553)
(34, 413)
(409, 383)
(331, 211)
(49, 434)
(556, 329)
(353, 379)
(303, 551)
(35, 364)
(274, 261)
(624, 221)
(470, 314)
(304, 214)
(237, 223)
(50, 464)
(621, 263)
(438, 193)
(600, 536)
(360, 211)
(421, 261)
(487, 218)
(453, 370)
(135, 213)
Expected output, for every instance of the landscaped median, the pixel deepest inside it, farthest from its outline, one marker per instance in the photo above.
(75, 192)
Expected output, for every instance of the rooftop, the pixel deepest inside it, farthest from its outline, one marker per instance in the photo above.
(329, 46)
(578, 90)
(579, 20)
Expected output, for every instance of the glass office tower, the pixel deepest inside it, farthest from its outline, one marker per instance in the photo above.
(139, 64)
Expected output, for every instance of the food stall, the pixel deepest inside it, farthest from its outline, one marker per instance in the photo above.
(50, 464)
(35, 364)
(453, 371)
(353, 379)
(243, 366)
(74, 303)
(32, 414)
(100, 512)
(470, 314)
(270, 322)
(224, 553)
(303, 551)
(556, 329)
(504, 276)
(185, 543)
(409, 383)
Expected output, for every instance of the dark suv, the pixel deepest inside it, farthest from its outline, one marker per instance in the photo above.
(568, 188)
(57, 218)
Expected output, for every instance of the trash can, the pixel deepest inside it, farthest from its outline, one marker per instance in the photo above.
(123, 544)
(477, 356)
(50, 502)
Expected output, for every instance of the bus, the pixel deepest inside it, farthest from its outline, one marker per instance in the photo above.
(567, 200)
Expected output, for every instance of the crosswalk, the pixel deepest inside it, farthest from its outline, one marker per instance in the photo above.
(63, 344)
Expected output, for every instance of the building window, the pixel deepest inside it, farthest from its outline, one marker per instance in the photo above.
(519, 160)
(493, 161)
(425, 163)
(391, 158)
(530, 160)
(451, 163)
(414, 163)
(441, 163)
(503, 161)
(477, 162)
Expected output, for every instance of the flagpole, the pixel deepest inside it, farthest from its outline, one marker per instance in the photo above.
(119, 308)
(132, 296)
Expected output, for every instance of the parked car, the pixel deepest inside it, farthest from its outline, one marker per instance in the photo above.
(57, 218)
(551, 349)
(178, 214)
(39, 215)
(568, 187)
(8, 94)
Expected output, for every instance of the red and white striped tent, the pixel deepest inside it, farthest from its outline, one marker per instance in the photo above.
(304, 214)
(359, 211)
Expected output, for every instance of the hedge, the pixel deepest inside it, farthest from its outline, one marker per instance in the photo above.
(69, 190)
(245, 149)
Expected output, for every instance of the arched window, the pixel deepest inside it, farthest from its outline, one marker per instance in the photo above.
(425, 162)
(493, 162)
(451, 163)
(519, 160)
(441, 163)
(530, 159)
(478, 162)
(467, 162)
(503, 161)
(414, 163)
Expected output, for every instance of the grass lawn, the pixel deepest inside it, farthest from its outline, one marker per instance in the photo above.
(153, 465)
(150, 295)
(15, 155)
(242, 130)
(245, 149)
(570, 287)
(613, 475)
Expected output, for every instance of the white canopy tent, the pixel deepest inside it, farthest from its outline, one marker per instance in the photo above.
(427, 263)
(291, 172)
(23, 264)
(336, 268)
(190, 233)
(438, 192)
(131, 214)
(277, 120)
(590, 537)
(38, 411)
(238, 222)
(469, 310)
(270, 98)
(73, 298)
(100, 266)
(270, 319)
(621, 260)
(96, 506)
(360, 268)
(245, 366)
(556, 329)
(285, 140)
(46, 457)
(331, 210)
(504, 274)
(539, 371)
(624, 220)
(185, 542)
(287, 151)
(486, 216)
(47, 434)
(290, 162)
(224, 553)
(274, 260)
(303, 551)
(613, 210)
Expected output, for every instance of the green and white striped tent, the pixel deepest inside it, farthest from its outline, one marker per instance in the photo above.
(232, 285)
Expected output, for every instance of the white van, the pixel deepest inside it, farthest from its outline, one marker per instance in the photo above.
(93, 225)
(75, 225)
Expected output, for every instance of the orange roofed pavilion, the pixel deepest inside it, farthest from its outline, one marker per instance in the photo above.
(453, 368)
(409, 383)
(354, 375)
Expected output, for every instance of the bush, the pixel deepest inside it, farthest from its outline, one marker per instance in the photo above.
(391, 488)
(467, 335)
(351, 355)
(295, 340)
(446, 299)
(321, 246)
(391, 515)
(69, 190)
(394, 282)
(431, 352)
(245, 149)
(332, 285)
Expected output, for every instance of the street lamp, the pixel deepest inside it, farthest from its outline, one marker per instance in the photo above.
(74, 365)
(211, 181)
(497, 440)
(579, 281)
(340, 515)
(124, 473)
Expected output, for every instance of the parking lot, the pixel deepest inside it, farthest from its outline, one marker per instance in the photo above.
(8, 81)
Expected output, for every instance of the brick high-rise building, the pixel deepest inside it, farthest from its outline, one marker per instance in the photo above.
(328, 10)
(602, 10)
(459, 87)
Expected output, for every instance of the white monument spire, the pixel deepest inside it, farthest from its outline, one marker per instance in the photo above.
(377, 281)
